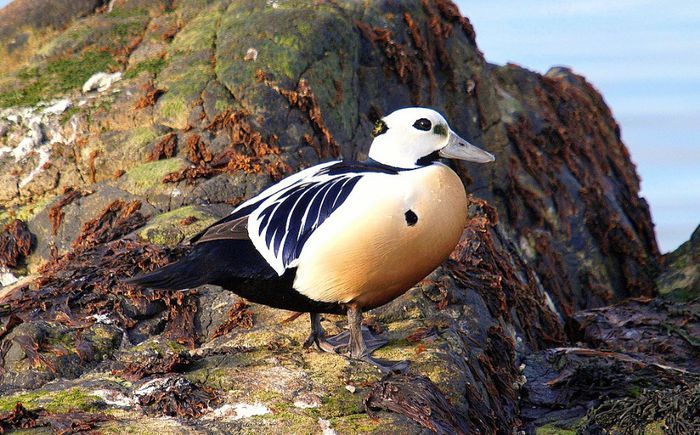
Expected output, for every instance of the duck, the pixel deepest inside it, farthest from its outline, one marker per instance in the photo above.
(341, 237)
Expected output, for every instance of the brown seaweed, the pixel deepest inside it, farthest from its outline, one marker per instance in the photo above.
(15, 243)
(238, 316)
(164, 149)
(417, 398)
(176, 397)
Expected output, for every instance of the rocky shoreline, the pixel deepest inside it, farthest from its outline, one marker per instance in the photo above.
(127, 127)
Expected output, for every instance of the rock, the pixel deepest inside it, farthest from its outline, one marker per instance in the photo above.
(100, 81)
(680, 280)
(557, 242)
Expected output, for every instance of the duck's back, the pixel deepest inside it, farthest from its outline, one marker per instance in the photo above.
(391, 232)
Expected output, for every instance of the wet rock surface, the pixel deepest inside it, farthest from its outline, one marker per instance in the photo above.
(546, 317)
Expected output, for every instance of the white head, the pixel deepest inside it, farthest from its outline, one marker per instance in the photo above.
(416, 136)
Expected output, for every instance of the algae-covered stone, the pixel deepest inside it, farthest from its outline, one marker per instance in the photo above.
(177, 225)
(40, 352)
(146, 177)
(681, 279)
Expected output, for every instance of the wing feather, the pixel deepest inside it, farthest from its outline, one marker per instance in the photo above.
(280, 219)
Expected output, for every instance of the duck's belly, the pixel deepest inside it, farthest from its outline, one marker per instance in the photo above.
(391, 232)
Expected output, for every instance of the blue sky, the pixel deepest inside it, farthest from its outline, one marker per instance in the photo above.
(644, 56)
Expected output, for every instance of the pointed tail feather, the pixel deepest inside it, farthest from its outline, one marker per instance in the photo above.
(186, 273)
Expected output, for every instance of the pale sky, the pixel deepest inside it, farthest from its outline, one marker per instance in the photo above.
(644, 56)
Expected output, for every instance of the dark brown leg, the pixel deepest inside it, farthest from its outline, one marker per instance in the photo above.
(318, 336)
(357, 348)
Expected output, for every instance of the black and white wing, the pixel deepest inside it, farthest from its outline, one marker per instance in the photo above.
(282, 224)
(235, 225)
(281, 219)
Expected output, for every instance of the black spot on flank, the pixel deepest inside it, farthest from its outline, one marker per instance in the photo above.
(411, 218)
(380, 127)
(423, 124)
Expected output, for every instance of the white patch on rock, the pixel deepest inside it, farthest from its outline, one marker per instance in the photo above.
(350, 388)
(7, 277)
(238, 411)
(326, 427)
(114, 398)
(102, 318)
(58, 107)
(34, 131)
(101, 81)
(44, 152)
(251, 54)
(307, 401)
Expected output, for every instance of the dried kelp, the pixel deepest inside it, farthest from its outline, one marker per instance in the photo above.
(304, 99)
(56, 213)
(247, 152)
(659, 331)
(571, 380)
(139, 365)
(164, 149)
(116, 220)
(676, 411)
(151, 95)
(419, 399)
(175, 397)
(238, 316)
(60, 423)
(15, 243)
(487, 262)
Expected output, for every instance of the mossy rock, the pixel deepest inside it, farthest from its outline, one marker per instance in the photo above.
(680, 280)
(58, 401)
(173, 227)
(54, 78)
(148, 177)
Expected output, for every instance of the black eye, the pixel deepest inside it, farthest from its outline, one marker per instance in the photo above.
(423, 124)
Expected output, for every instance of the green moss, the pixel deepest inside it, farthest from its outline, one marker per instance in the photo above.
(68, 114)
(167, 228)
(656, 428)
(159, 345)
(54, 78)
(356, 424)
(198, 34)
(551, 429)
(61, 401)
(222, 105)
(152, 66)
(341, 403)
(170, 106)
(119, 12)
(146, 176)
(26, 212)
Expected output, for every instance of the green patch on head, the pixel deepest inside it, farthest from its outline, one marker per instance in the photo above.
(440, 129)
